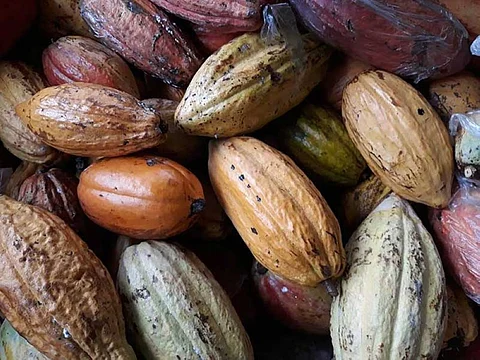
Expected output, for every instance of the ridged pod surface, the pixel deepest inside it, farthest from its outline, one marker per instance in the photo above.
(247, 83)
(92, 120)
(18, 83)
(392, 298)
(14, 347)
(174, 307)
(400, 136)
(54, 291)
(279, 213)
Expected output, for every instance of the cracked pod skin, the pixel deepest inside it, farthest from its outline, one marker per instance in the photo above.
(144, 197)
(404, 317)
(400, 136)
(277, 210)
(145, 36)
(175, 309)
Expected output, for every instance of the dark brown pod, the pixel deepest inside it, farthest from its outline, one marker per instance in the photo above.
(145, 36)
(56, 192)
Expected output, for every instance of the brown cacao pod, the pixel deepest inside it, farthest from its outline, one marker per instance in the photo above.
(456, 94)
(342, 71)
(174, 307)
(178, 146)
(277, 210)
(145, 36)
(62, 17)
(360, 201)
(15, 19)
(54, 191)
(54, 291)
(457, 230)
(462, 328)
(224, 17)
(400, 136)
(92, 120)
(80, 59)
(144, 197)
(21, 173)
(298, 307)
(19, 83)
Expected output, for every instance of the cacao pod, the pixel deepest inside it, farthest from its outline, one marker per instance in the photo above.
(400, 136)
(359, 202)
(62, 17)
(14, 347)
(249, 84)
(277, 210)
(457, 230)
(15, 19)
(464, 128)
(144, 197)
(343, 69)
(92, 120)
(80, 59)
(18, 83)
(462, 328)
(418, 39)
(56, 192)
(317, 140)
(458, 93)
(178, 146)
(21, 173)
(222, 17)
(174, 307)
(54, 291)
(465, 11)
(145, 36)
(297, 307)
(405, 317)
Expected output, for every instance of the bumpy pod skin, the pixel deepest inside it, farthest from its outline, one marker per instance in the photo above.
(400, 136)
(174, 307)
(279, 213)
(145, 36)
(247, 83)
(54, 290)
(92, 120)
(392, 298)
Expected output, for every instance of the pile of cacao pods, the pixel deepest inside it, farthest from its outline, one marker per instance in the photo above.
(239, 179)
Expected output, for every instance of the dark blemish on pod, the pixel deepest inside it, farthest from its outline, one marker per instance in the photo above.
(142, 293)
(198, 205)
(248, 186)
(232, 167)
(241, 177)
(259, 199)
(133, 7)
(254, 231)
(421, 112)
(154, 279)
(380, 75)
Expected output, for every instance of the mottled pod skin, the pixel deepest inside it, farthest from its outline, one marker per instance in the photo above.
(279, 213)
(174, 307)
(145, 36)
(247, 83)
(400, 136)
(92, 120)
(392, 298)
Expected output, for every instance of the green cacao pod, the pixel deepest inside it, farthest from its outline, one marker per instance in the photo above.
(14, 347)
(392, 298)
(174, 307)
(317, 140)
(467, 143)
